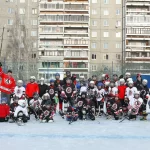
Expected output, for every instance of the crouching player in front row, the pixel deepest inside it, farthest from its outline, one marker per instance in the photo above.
(4, 110)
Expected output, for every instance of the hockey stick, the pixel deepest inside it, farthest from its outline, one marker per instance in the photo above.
(125, 117)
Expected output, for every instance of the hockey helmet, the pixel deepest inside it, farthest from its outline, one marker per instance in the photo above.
(68, 73)
(83, 94)
(122, 81)
(144, 82)
(107, 83)
(52, 81)
(35, 96)
(19, 82)
(46, 96)
(100, 84)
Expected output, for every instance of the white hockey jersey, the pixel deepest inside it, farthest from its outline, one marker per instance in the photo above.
(20, 109)
(100, 94)
(19, 91)
(113, 90)
(130, 92)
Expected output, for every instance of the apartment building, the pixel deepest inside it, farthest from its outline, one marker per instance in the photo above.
(105, 36)
(137, 37)
(24, 13)
(63, 37)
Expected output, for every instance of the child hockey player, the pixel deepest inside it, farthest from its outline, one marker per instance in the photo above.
(112, 90)
(81, 105)
(19, 90)
(116, 108)
(100, 97)
(13, 107)
(125, 106)
(47, 109)
(4, 110)
(134, 105)
(21, 113)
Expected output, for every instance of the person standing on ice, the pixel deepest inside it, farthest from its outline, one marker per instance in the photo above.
(7, 84)
(31, 88)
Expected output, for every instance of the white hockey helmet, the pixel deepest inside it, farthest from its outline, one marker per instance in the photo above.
(130, 83)
(103, 75)
(137, 93)
(107, 83)
(129, 79)
(42, 79)
(144, 82)
(127, 74)
(19, 82)
(122, 81)
(92, 82)
(33, 78)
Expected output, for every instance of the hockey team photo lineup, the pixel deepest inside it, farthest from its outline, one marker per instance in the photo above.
(119, 98)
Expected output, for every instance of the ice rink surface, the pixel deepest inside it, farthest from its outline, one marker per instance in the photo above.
(100, 134)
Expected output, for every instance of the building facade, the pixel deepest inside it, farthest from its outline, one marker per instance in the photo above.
(19, 21)
(137, 39)
(63, 37)
(105, 36)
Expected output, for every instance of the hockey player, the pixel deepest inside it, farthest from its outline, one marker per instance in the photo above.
(13, 107)
(19, 90)
(143, 94)
(100, 97)
(115, 80)
(72, 114)
(42, 87)
(112, 90)
(47, 109)
(116, 108)
(106, 78)
(94, 78)
(127, 75)
(68, 75)
(34, 105)
(31, 88)
(73, 78)
(92, 95)
(21, 112)
(130, 90)
(4, 110)
(81, 105)
(70, 91)
(134, 105)
(138, 83)
(125, 106)
(7, 84)
(121, 90)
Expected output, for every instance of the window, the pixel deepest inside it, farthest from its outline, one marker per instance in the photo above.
(10, 22)
(106, 1)
(93, 56)
(118, 45)
(22, 11)
(33, 33)
(94, 1)
(93, 45)
(106, 34)
(94, 23)
(94, 12)
(106, 12)
(34, 11)
(118, 34)
(34, 0)
(94, 67)
(118, 12)
(118, 1)
(105, 45)
(94, 34)
(22, 1)
(105, 57)
(10, 10)
(118, 56)
(105, 23)
(33, 22)
(118, 23)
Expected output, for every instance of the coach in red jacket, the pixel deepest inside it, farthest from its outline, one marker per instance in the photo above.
(31, 88)
(7, 84)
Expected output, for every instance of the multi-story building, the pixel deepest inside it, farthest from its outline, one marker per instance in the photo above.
(105, 36)
(63, 37)
(137, 30)
(23, 15)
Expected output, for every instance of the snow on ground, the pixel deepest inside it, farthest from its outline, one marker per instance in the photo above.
(100, 134)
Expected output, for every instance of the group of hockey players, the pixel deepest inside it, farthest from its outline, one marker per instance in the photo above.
(73, 99)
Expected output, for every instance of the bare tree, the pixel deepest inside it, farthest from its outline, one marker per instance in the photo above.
(19, 50)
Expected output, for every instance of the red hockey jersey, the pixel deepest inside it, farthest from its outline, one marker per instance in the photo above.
(4, 110)
(32, 88)
(7, 84)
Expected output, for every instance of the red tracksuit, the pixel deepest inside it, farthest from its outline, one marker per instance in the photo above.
(7, 84)
(32, 88)
(121, 91)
